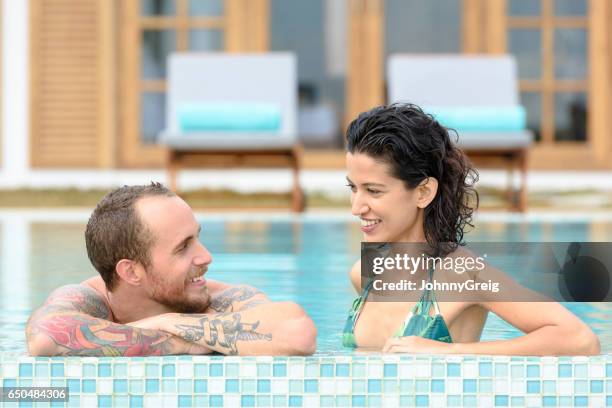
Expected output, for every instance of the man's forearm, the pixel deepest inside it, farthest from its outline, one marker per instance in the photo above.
(82, 335)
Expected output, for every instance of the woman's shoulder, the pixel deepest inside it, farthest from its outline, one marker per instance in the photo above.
(355, 275)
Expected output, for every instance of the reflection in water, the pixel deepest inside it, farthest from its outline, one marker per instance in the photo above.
(306, 261)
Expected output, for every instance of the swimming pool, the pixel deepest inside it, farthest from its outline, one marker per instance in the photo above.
(304, 259)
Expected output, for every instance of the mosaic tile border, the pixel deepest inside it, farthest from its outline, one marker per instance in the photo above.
(336, 380)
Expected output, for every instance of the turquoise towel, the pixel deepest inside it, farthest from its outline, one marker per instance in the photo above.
(241, 117)
(480, 118)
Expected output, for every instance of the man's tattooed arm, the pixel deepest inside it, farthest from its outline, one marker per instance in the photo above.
(237, 298)
(75, 321)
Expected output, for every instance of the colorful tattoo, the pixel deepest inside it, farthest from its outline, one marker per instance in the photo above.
(223, 330)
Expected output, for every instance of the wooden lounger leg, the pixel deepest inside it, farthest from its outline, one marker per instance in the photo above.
(522, 193)
(510, 191)
(172, 169)
(297, 195)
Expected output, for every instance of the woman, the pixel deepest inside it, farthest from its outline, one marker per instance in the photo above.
(410, 183)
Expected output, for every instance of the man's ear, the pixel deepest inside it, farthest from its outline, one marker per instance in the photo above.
(426, 191)
(128, 271)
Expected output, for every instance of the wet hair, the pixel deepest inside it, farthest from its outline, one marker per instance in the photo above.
(415, 146)
(115, 230)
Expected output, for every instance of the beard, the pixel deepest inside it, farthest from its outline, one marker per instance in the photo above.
(176, 297)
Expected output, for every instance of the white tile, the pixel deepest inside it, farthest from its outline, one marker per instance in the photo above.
(392, 401)
(231, 401)
(326, 387)
(343, 386)
(73, 370)
(92, 401)
(41, 382)
(423, 370)
(184, 370)
(248, 370)
(533, 401)
(597, 370)
(470, 369)
(518, 387)
(169, 401)
(295, 370)
(549, 371)
(216, 386)
(280, 386)
(375, 370)
(136, 370)
(310, 401)
(485, 401)
(10, 370)
(454, 386)
(500, 386)
(597, 401)
(565, 387)
(437, 400)
(105, 386)
(406, 371)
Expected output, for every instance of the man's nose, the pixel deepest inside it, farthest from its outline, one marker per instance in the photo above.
(203, 257)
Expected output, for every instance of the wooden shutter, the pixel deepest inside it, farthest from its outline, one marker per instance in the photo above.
(71, 83)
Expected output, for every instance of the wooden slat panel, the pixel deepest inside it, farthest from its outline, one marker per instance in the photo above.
(66, 82)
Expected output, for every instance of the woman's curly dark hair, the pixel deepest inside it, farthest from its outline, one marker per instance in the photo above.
(416, 147)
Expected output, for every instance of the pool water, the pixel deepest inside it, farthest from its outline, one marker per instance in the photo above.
(303, 259)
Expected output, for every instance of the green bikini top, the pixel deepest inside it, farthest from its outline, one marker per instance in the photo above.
(417, 323)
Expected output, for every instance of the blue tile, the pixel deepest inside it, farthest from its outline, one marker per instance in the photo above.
(581, 401)
(359, 386)
(501, 369)
(279, 370)
(422, 400)
(200, 370)
(74, 386)
(549, 401)
(247, 401)
(248, 387)
(152, 370)
(136, 401)
(23, 404)
(469, 385)
(105, 401)
(88, 386)
(485, 386)
(295, 401)
(549, 387)
(200, 386)
(533, 371)
(533, 387)
(422, 385)
(565, 370)
(264, 401)
(501, 400)
(406, 401)
(136, 386)
(185, 387)
(390, 370)
(42, 370)
(469, 400)
(342, 370)
(358, 401)
(263, 386)
(215, 400)
(25, 370)
(485, 369)
(57, 370)
(609, 401)
(581, 371)
(453, 400)
(374, 386)
(184, 401)
(596, 386)
(327, 370)
(453, 369)
(390, 385)
(264, 370)
(608, 370)
(581, 387)
(311, 386)
(437, 385)
(438, 370)
(168, 385)
(215, 370)
(232, 386)
(9, 382)
(168, 370)
(120, 386)
(279, 400)
(152, 385)
(58, 382)
(104, 370)
(374, 401)
(120, 400)
(517, 401)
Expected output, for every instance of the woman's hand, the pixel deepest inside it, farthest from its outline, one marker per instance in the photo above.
(415, 344)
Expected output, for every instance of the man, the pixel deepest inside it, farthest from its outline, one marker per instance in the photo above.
(151, 297)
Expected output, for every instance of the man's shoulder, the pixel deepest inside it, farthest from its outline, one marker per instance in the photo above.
(83, 298)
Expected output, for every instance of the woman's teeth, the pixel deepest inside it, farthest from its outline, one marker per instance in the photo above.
(198, 279)
(368, 223)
